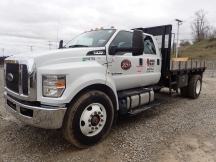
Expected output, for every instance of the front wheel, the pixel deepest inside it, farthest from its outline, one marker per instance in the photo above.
(194, 86)
(88, 119)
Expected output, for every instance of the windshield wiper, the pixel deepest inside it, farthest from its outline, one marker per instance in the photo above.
(77, 45)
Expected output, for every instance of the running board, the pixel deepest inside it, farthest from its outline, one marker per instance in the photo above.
(138, 110)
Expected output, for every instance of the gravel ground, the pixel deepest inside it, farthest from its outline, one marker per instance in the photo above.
(180, 130)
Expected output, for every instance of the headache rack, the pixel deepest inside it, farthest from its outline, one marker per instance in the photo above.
(172, 71)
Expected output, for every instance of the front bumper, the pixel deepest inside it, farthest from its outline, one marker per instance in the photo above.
(48, 117)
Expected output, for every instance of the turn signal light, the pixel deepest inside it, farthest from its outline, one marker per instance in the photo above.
(60, 84)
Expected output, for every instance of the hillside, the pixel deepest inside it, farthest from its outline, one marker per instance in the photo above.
(204, 50)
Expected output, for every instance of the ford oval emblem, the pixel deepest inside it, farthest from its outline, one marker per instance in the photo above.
(10, 77)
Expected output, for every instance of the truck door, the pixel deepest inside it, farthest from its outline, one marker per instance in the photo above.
(152, 61)
(122, 65)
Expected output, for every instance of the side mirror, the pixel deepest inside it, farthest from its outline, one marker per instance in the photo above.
(138, 43)
(60, 44)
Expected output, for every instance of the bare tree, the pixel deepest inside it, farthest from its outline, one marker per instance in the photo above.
(211, 33)
(200, 26)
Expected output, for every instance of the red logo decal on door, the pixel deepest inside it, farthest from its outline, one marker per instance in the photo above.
(125, 64)
(148, 62)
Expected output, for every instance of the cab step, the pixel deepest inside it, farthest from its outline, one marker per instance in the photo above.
(140, 109)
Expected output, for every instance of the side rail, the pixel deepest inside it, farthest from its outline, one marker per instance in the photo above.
(192, 65)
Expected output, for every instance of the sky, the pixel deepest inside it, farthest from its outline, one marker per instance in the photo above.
(27, 25)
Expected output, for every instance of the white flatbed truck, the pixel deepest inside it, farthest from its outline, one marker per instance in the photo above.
(83, 86)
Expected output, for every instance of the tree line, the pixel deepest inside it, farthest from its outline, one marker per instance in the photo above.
(200, 29)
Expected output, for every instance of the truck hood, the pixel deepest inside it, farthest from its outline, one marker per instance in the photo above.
(56, 56)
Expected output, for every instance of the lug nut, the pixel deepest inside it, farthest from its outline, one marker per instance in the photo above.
(89, 120)
(89, 125)
(102, 120)
(99, 112)
(92, 128)
(96, 127)
(101, 115)
(95, 112)
(100, 125)
(91, 115)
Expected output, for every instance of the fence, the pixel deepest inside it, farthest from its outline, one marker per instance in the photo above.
(211, 67)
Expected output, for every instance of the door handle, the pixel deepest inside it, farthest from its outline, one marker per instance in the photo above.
(140, 61)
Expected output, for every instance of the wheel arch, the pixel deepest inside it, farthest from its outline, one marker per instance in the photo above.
(195, 73)
(103, 88)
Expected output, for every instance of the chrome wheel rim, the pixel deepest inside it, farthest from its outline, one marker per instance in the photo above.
(198, 86)
(93, 119)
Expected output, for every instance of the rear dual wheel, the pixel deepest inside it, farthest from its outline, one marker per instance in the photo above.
(88, 119)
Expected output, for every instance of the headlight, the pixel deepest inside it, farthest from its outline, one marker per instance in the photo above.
(53, 85)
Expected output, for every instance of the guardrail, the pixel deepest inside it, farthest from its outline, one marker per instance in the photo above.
(211, 66)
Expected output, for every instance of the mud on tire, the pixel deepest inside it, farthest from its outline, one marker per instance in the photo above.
(88, 119)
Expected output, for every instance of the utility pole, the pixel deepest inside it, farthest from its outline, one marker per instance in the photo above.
(3, 51)
(31, 48)
(49, 45)
(179, 23)
(173, 43)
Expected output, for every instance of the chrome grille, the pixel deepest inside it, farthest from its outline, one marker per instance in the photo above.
(22, 70)
(13, 70)
(24, 80)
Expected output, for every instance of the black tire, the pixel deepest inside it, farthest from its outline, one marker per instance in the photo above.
(88, 111)
(184, 91)
(194, 86)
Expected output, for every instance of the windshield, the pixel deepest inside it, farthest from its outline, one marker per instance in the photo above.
(96, 38)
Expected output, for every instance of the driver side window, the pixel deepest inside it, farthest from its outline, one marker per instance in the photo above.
(149, 47)
(123, 39)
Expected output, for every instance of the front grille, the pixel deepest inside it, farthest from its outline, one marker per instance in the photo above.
(14, 70)
(19, 82)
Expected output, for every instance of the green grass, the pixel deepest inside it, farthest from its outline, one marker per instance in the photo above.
(204, 50)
